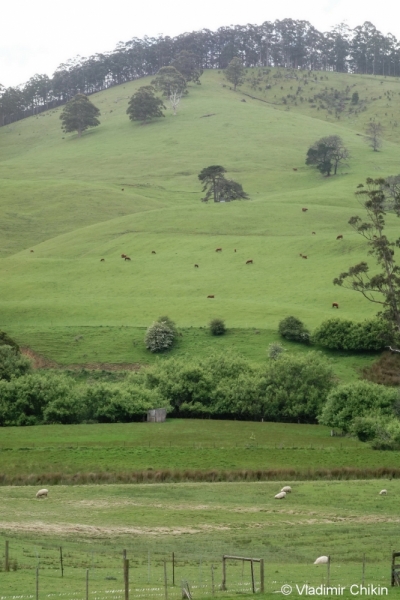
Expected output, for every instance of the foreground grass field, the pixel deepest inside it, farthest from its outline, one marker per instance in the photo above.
(62, 197)
(198, 522)
(183, 449)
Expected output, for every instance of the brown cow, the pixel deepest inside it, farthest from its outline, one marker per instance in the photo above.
(294, 169)
(313, 232)
(303, 256)
(153, 252)
(122, 190)
(210, 296)
(235, 250)
(127, 258)
(249, 262)
(335, 305)
(304, 209)
(32, 251)
(123, 255)
(218, 249)
(102, 260)
(197, 266)
(339, 237)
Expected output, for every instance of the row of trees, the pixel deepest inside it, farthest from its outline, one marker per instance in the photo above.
(282, 43)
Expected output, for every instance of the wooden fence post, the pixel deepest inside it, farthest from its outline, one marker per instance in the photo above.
(126, 578)
(253, 587)
(262, 575)
(223, 584)
(61, 562)
(6, 559)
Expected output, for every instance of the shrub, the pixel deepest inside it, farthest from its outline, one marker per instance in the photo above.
(358, 399)
(338, 334)
(12, 364)
(217, 327)
(170, 323)
(159, 337)
(293, 329)
(365, 428)
(275, 350)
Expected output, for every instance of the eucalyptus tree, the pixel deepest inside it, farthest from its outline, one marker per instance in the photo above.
(234, 72)
(79, 114)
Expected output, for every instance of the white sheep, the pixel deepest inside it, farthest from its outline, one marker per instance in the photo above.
(42, 493)
(286, 489)
(280, 496)
(383, 492)
(322, 560)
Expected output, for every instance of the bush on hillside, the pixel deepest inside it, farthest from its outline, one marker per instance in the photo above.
(159, 337)
(294, 330)
(339, 334)
(275, 350)
(358, 399)
(6, 340)
(217, 327)
(12, 363)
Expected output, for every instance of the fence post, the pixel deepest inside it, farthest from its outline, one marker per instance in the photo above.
(61, 562)
(37, 583)
(253, 587)
(6, 560)
(262, 575)
(87, 584)
(165, 580)
(126, 578)
(223, 584)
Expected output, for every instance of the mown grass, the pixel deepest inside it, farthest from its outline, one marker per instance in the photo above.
(62, 198)
(185, 450)
(199, 523)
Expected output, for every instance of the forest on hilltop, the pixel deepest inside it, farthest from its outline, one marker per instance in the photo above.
(288, 43)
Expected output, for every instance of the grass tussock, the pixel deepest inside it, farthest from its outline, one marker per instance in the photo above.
(200, 476)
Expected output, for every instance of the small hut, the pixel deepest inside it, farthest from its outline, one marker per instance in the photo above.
(156, 415)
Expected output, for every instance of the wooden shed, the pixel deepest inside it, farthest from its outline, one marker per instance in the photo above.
(156, 415)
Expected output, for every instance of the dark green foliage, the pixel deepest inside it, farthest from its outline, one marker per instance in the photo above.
(339, 334)
(159, 337)
(12, 364)
(220, 189)
(144, 105)
(365, 428)
(217, 327)
(235, 72)
(327, 154)
(355, 98)
(169, 81)
(293, 329)
(187, 64)
(6, 340)
(358, 399)
(79, 114)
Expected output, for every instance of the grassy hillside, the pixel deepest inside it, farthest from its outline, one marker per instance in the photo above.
(62, 198)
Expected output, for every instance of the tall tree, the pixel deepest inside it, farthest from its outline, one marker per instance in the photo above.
(79, 114)
(144, 105)
(327, 154)
(234, 72)
(382, 288)
(220, 189)
(374, 133)
(172, 84)
(186, 63)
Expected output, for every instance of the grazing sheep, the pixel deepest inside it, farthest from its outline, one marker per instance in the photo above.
(280, 496)
(322, 560)
(383, 493)
(286, 489)
(42, 493)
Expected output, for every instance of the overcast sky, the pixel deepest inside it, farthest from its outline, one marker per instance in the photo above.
(38, 36)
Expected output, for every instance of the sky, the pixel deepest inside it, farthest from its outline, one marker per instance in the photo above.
(36, 37)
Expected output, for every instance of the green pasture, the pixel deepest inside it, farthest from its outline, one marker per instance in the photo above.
(62, 198)
(349, 521)
(61, 452)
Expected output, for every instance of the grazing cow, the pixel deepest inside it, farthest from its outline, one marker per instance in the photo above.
(339, 237)
(197, 266)
(123, 255)
(122, 190)
(304, 209)
(102, 260)
(34, 251)
(249, 262)
(313, 232)
(153, 251)
(335, 305)
(294, 169)
(303, 256)
(127, 258)
(218, 249)
(210, 296)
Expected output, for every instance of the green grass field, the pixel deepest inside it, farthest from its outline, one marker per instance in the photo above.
(61, 197)
(199, 523)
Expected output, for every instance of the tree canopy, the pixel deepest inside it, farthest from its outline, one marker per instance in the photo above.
(187, 64)
(234, 72)
(79, 114)
(327, 154)
(144, 105)
(218, 187)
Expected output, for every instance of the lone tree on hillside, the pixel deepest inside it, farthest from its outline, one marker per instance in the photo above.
(79, 114)
(220, 189)
(186, 63)
(172, 84)
(234, 72)
(374, 133)
(327, 154)
(383, 287)
(144, 105)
